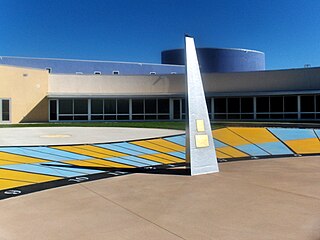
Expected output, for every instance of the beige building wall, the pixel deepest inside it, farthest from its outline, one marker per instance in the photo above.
(236, 83)
(114, 85)
(27, 90)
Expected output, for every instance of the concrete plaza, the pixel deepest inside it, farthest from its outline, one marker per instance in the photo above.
(258, 199)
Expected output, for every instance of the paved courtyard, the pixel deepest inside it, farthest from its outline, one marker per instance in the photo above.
(258, 194)
(260, 199)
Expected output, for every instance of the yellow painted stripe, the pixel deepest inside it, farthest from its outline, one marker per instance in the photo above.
(162, 158)
(222, 155)
(304, 146)
(7, 184)
(167, 144)
(79, 150)
(19, 158)
(23, 176)
(102, 150)
(152, 146)
(228, 137)
(97, 163)
(255, 135)
(232, 152)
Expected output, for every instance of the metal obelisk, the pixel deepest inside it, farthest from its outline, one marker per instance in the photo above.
(200, 151)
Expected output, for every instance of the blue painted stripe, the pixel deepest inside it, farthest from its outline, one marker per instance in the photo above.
(66, 155)
(275, 148)
(181, 155)
(82, 171)
(141, 160)
(286, 134)
(177, 139)
(117, 148)
(135, 148)
(252, 150)
(317, 131)
(218, 144)
(126, 161)
(30, 153)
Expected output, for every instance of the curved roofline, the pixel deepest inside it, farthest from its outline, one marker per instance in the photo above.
(238, 49)
(82, 60)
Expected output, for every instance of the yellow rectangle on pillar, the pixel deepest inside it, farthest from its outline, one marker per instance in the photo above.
(200, 125)
(202, 141)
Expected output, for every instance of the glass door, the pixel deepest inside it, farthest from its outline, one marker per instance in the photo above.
(177, 107)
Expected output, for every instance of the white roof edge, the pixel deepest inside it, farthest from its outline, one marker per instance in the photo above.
(82, 60)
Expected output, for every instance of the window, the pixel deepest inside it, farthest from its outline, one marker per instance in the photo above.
(115, 72)
(290, 103)
(220, 105)
(53, 110)
(263, 104)
(80, 106)
(110, 106)
(97, 72)
(247, 105)
(137, 106)
(163, 106)
(153, 73)
(66, 106)
(173, 73)
(49, 69)
(307, 107)
(123, 106)
(307, 104)
(5, 110)
(79, 73)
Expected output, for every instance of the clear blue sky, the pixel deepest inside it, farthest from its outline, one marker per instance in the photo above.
(288, 31)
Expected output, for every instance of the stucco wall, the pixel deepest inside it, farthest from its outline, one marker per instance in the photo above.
(27, 90)
(216, 83)
(115, 85)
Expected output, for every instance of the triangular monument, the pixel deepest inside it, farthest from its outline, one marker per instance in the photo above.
(200, 151)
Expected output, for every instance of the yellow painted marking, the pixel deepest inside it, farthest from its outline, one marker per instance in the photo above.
(304, 146)
(228, 137)
(152, 146)
(7, 184)
(102, 150)
(202, 141)
(79, 150)
(5, 162)
(232, 152)
(161, 157)
(23, 176)
(200, 125)
(255, 135)
(97, 163)
(168, 144)
(222, 155)
(19, 158)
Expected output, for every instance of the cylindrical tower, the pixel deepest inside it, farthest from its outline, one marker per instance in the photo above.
(220, 59)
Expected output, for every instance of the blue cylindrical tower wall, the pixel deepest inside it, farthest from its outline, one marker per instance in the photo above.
(220, 59)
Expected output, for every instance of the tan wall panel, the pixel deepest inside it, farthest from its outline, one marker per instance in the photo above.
(27, 89)
(115, 85)
(266, 81)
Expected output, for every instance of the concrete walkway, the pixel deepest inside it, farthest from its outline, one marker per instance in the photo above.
(263, 199)
(37, 136)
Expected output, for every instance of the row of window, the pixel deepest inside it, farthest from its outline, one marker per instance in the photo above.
(220, 108)
(268, 107)
(110, 109)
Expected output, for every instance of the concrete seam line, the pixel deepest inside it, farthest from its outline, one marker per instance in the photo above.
(272, 188)
(132, 212)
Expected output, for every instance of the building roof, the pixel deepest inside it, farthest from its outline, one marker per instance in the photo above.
(73, 66)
